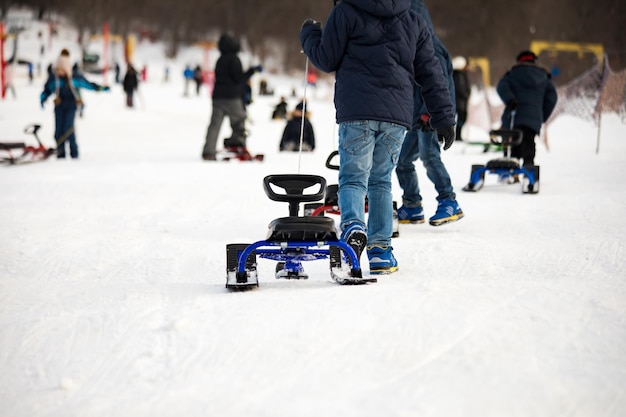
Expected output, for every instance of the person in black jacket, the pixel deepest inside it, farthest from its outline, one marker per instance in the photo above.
(280, 110)
(227, 96)
(530, 97)
(291, 135)
(130, 84)
(462, 90)
(378, 49)
(198, 78)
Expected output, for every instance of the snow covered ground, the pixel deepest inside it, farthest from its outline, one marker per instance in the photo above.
(112, 273)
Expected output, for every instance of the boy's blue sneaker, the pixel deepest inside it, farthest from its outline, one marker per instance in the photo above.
(447, 211)
(354, 235)
(381, 260)
(411, 214)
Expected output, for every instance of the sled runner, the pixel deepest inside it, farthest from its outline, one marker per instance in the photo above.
(28, 153)
(331, 199)
(294, 239)
(236, 150)
(507, 169)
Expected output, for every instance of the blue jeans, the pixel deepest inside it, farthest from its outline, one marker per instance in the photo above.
(422, 145)
(368, 153)
(64, 124)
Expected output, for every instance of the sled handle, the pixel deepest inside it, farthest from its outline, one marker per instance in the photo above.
(294, 186)
(32, 129)
(329, 160)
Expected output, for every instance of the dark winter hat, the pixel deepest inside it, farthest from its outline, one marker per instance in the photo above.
(300, 106)
(526, 56)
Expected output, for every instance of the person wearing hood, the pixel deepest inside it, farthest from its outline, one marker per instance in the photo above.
(66, 84)
(379, 50)
(530, 97)
(227, 97)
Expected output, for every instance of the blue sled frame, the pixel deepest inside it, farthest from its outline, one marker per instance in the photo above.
(294, 239)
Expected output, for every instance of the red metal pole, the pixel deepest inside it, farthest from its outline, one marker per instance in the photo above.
(2, 63)
(105, 52)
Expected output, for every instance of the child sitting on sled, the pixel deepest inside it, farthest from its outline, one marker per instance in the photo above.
(291, 135)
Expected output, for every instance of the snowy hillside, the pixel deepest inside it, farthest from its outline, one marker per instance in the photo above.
(112, 273)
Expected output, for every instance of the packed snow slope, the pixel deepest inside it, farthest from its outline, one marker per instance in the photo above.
(112, 277)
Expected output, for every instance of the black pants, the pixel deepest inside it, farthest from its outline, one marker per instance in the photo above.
(460, 121)
(525, 150)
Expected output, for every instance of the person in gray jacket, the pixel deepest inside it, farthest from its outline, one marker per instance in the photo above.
(530, 97)
(227, 97)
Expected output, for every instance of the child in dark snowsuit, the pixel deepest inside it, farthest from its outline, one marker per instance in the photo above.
(291, 135)
(66, 86)
(530, 97)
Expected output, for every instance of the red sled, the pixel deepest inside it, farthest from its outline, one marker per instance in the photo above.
(239, 153)
(28, 153)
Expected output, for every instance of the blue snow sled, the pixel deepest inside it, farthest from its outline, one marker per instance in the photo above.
(294, 239)
(507, 169)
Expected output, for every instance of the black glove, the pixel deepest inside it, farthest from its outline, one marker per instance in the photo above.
(511, 104)
(310, 21)
(424, 123)
(446, 136)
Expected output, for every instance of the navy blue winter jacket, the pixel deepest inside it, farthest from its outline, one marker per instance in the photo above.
(378, 50)
(442, 55)
(534, 92)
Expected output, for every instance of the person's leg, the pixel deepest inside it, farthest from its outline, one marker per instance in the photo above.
(448, 209)
(430, 154)
(528, 147)
(461, 117)
(71, 139)
(217, 117)
(405, 171)
(63, 132)
(388, 139)
(237, 115)
(58, 131)
(356, 148)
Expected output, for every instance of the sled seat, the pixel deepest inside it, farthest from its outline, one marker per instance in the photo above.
(295, 189)
(306, 228)
(6, 146)
(502, 163)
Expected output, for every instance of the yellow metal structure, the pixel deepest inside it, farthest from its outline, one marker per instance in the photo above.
(581, 48)
(481, 62)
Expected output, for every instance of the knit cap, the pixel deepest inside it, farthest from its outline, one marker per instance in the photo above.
(64, 64)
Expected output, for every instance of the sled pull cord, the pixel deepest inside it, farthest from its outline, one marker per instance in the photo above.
(304, 106)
